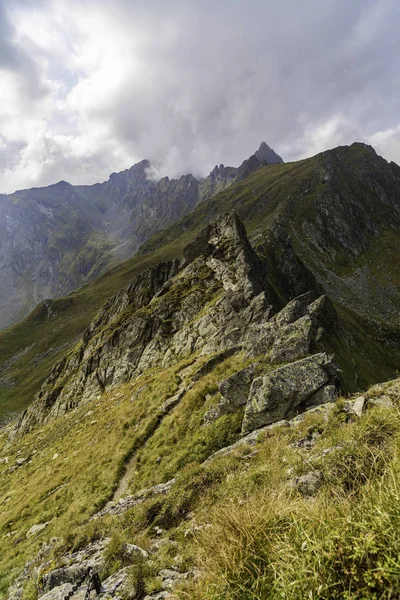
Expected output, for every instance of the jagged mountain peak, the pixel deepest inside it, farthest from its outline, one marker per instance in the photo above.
(139, 169)
(267, 155)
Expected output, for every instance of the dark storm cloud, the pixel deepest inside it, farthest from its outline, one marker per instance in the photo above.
(189, 84)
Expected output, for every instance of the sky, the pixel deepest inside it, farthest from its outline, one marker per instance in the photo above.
(91, 87)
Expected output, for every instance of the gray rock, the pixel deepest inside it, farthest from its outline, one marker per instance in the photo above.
(78, 563)
(309, 483)
(235, 389)
(380, 401)
(266, 155)
(323, 409)
(294, 310)
(359, 406)
(132, 550)
(164, 595)
(128, 501)
(213, 414)
(292, 342)
(169, 578)
(329, 393)
(260, 338)
(286, 391)
(117, 582)
(35, 529)
(251, 439)
(61, 591)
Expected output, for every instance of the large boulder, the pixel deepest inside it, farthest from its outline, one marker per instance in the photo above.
(289, 390)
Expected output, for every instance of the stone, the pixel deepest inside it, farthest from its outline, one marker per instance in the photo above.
(251, 439)
(132, 550)
(285, 392)
(309, 483)
(35, 529)
(159, 596)
(117, 581)
(77, 565)
(327, 394)
(170, 577)
(213, 414)
(128, 501)
(357, 407)
(380, 401)
(61, 591)
(323, 409)
(294, 310)
(234, 391)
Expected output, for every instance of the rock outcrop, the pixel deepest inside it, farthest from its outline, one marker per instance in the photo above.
(216, 300)
(290, 390)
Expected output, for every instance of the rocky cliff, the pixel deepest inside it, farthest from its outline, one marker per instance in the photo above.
(293, 214)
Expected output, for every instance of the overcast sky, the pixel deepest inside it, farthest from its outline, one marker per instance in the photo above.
(91, 87)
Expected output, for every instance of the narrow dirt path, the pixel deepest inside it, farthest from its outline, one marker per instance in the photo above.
(159, 416)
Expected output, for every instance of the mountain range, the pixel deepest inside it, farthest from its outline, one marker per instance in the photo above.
(55, 239)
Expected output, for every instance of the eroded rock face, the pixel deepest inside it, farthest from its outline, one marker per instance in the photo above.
(289, 390)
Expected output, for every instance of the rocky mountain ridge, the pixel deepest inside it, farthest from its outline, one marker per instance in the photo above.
(214, 302)
(54, 239)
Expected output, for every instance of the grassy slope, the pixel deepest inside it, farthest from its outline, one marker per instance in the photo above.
(271, 542)
(251, 533)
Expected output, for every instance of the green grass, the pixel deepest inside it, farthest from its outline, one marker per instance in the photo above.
(266, 541)
(237, 518)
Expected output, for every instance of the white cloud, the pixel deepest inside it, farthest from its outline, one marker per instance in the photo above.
(89, 87)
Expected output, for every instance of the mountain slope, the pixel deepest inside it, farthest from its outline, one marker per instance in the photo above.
(196, 406)
(288, 209)
(54, 239)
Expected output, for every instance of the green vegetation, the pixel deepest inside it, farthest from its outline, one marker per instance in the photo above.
(91, 448)
(238, 517)
(269, 542)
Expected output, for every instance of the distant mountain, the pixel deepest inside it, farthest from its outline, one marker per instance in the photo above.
(54, 239)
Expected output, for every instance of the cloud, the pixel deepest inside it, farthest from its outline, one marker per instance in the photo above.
(90, 87)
